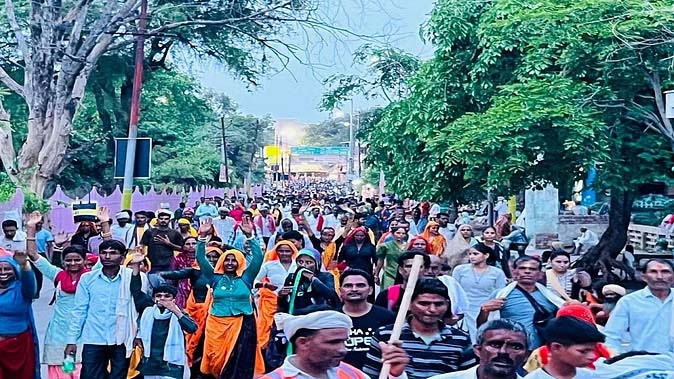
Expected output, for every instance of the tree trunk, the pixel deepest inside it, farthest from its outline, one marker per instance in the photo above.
(602, 257)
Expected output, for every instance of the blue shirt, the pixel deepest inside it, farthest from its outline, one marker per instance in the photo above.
(41, 239)
(15, 303)
(518, 308)
(645, 318)
(206, 210)
(93, 319)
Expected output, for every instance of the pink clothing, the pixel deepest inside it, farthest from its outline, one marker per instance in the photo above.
(56, 372)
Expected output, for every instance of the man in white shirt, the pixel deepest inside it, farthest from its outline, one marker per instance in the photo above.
(585, 241)
(501, 347)
(446, 229)
(120, 231)
(501, 207)
(319, 343)
(645, 315)
(12, 238)
(224, 224)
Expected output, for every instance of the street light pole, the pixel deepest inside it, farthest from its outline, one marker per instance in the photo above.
(129, 164)
(224, 149)
(351, 143)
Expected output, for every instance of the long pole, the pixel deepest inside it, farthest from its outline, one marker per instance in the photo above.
(135, 109)
(351, 143)
(224, 149)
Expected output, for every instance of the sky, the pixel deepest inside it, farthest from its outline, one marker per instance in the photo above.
(294, 94)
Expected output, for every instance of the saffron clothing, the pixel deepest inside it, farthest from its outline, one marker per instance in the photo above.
(438, 242)
(230, 325)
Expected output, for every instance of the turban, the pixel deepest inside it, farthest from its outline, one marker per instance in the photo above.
(613, 288)
(313, 321)
(122, 216)
(183, 221)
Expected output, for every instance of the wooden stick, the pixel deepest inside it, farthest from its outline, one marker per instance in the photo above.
(404, 307)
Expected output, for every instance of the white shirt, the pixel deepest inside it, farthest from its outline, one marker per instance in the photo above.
(581, 373)
(588, 238)
(119, 232)
(645, 318)
(276, 273)
(501, 208)
(289, 370)
(471, 373)
(414, 230)
(224, 227)
(265, 230)
(18, 243)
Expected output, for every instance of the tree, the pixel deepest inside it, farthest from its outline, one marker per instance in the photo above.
(523, 94)
(331, 132)
(51, 48)
(386, 69)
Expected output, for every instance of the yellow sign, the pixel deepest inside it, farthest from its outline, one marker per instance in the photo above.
(273, 154)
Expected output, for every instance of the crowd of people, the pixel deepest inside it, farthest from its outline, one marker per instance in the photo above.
(306, 282)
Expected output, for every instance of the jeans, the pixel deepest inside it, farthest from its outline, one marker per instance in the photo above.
(95, 359)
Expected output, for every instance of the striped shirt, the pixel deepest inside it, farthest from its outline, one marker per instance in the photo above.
(450, 351)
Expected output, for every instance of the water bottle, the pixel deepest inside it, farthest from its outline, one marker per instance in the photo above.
(68, 365)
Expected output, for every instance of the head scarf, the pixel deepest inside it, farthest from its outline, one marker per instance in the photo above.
(184, 221)
(146, 261)
(6, 256)
(209, 249)
(351, 237)
(578, 311)
(240, 259)
(5, 253)
(313, 254)
(414, 239)
(188, 209)
(272, 255)
(313, 321)
(437, 242)
(584, 316)
(92, 258)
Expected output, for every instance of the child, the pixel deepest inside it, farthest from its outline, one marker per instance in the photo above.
(160, 334)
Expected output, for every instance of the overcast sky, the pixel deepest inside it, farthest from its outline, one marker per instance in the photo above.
(295, 94)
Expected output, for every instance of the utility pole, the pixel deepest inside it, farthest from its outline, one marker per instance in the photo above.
(349, 171)
(129, 164)
(224, 149)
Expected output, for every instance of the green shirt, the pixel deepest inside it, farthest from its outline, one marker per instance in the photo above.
(231, 294)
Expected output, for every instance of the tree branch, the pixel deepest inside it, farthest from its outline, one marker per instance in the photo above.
(11, 83)
(20, 38)
(660, 103)
(7, 151)
(252, 16)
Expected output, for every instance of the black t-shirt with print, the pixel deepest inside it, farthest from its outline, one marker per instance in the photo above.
(362, 331)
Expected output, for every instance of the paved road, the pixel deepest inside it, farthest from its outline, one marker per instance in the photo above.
(43, 312)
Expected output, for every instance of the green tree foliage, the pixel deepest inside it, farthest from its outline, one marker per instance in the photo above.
(332, 132)
(526, 93)
(385, 71)
(182, 120)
